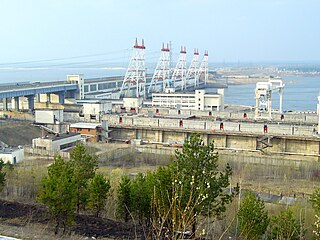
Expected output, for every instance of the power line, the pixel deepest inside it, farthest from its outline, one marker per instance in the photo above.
(65, 58)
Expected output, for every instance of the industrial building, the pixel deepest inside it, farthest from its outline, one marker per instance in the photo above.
(90, 131)
(11, 155)
(93, 109)
(56, 143)
(199, 100)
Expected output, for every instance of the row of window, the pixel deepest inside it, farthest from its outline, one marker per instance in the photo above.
(101, 86)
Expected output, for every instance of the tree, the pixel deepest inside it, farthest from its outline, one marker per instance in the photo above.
(141, 190)
(58, 192)
(194, 185)
(124, 198)
(84, 167)
(315, 200)
(285, 226)
(98, 193)
(253, 219)
(2, 175)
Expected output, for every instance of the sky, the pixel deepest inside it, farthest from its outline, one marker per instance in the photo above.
(231, 30)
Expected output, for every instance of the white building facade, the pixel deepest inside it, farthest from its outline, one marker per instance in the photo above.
(56, 143)
(11, 155)
(49, 116)
(199, 100)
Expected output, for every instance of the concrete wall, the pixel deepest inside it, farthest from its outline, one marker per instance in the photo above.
(280, 128)
(297, 117)
(72, 117)
(287, 145)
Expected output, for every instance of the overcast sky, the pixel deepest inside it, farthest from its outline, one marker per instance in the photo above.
(232, 30)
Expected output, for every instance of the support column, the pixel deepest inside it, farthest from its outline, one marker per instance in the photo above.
(5, 104)
(318, 108)
(62, 96)
(48, 98)
(16, 104)
(256, 113)
(38, 98)
(269, 106)
(31, 102)
(280, 100)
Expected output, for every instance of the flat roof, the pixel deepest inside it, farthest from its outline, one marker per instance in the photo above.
(96, 100)
(177, 116)
(63, 135)
(85, 125)
(8, 150)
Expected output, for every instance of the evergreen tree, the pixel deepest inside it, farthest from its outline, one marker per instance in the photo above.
(98, 193)
(253, 219)
(84, 167)
(141, 190)
(124, 199)
(2, 175)
(58, 192)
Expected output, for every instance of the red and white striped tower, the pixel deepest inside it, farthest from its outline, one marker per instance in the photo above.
(179, 73)
(203, 69)
(162, 71)
(193, 71)
(136, 73)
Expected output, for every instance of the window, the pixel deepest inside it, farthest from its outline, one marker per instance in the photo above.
(67, 145)
(93, 88)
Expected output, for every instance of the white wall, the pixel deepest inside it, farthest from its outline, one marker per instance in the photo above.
(132, 102)
(9, 157)
(96, 108)
(54, 146)
(47, 116)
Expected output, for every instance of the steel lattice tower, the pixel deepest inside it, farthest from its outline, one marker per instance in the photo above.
(193, 71)
(136, 72)
(203, 69)
(180, 69)
(162, 71)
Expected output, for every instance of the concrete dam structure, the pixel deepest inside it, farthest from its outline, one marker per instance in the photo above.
(279, 141)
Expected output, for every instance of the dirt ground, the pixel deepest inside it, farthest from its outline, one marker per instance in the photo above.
(22, 133)
(27, 221)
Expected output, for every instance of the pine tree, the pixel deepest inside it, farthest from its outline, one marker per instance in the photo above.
(84, 167)
(124, 199)
(2, 175)
(58, 193)
(98, 193)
